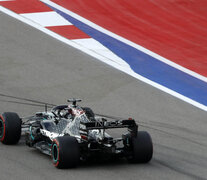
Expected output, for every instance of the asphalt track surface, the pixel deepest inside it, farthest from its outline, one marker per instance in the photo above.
(36, 66)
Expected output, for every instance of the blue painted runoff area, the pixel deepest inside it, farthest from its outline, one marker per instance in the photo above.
(147, 66)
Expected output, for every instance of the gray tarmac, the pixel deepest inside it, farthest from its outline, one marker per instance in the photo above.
(34, 65)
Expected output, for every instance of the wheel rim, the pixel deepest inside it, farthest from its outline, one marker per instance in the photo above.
(55, 153)
(1, 128)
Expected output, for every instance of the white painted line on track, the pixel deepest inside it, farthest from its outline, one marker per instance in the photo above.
(99, 28)
(94, 45)
(47, 18)
(116, 65)
(90, 43)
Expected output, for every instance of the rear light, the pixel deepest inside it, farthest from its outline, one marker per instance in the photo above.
(84, 137)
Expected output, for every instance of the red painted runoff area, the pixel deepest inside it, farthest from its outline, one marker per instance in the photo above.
(174, 29)
(70, 32)
(25, 6)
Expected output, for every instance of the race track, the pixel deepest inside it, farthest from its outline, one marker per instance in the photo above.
(36, 66)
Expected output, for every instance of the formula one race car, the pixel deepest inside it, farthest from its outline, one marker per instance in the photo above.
(70, 133)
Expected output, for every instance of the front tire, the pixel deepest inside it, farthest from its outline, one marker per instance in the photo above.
(65, 152)
(10, 128)
(142, 148)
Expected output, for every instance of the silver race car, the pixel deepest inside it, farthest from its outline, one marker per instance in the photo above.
(71, 133)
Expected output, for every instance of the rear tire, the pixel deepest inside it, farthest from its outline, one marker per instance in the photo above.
(10, 128)
(142, 148)
(65, 152)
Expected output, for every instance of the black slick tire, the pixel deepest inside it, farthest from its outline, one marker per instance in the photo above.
(65, 152)
(10, 128)
(142, 148)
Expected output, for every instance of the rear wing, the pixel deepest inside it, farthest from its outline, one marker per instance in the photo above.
(104, 124)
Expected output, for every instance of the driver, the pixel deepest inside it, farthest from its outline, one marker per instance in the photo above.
(68, 114)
